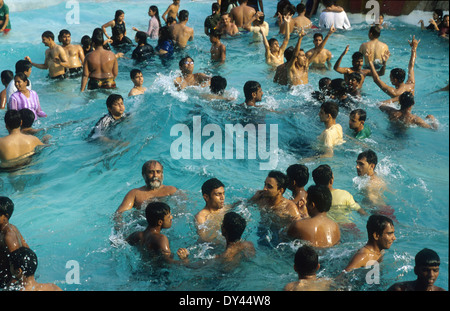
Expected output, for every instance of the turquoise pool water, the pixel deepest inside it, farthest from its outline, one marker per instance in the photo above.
(65, 199)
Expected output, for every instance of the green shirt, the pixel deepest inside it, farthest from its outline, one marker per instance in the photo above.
(364, 133)
(4, 10)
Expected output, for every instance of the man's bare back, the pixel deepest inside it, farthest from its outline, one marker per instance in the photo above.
(17, 147)
(377, 50)
(182, 34)
(242, 14)
(101, 64)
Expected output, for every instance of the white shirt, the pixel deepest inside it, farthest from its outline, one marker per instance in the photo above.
(340, 20)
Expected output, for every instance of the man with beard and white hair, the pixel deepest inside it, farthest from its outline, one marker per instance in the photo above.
(152, 172)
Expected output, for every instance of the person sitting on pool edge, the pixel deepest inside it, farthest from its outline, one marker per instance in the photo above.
(426, 268)
(16, 148)
(151, 240)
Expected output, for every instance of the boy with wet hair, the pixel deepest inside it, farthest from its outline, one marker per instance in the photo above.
(357, 122)
(24, 263)
(398, 75)
(253, 94)
(426, 268)
(404, 114)
(151, 240)
(116, 113)
(233, 226)
(218, 49)
(10, 239)
(306, 264)
(137, 78)
(298, 176)
(208, 219)
(333, 134)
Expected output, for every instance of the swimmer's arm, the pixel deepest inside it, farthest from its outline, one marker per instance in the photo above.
(127, 203)
(414, 43)
(3, 100)
(291, 62)
(287, 32)
(85, 76)
(420, 122)
(11, 241)
(337, 66)
(81, 54)
(383, 86)
(266, 45)
(40, 66)
(108, 24)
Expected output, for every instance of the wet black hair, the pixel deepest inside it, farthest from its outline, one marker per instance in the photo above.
(376, 224)
(27, 117)
(320, 196)
(299, 173)
(211, 184)
(218, 85)
(370, 156)
(6, 207)
(25, 259)
(112, 99)
(306, 260)
(331, 108)
(156, 211)
(234, 225)
(250, 87)
(322, 175)
(281, 179)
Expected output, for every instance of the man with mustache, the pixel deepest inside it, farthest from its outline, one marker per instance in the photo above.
(152, 172)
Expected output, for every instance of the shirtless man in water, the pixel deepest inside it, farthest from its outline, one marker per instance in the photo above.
(10, 239)
(278, 209)
(275, 52)
(56, 60)
(209, 219)
(188, 77)
(16, 147)
(378, 49)
(298, 66)
(181, 33)
(100, 66)
(397, 75)
(152, 172)
(242, 13)
(321, 60)
(74, 53)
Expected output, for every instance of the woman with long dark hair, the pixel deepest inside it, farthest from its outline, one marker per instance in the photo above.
(118, 28)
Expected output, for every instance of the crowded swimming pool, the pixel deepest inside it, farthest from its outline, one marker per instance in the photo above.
(65, 198)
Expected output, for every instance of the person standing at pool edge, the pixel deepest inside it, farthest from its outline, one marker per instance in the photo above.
(100, 66)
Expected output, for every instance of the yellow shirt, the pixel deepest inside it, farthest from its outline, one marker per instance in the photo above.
(342, 205)
(332, 136)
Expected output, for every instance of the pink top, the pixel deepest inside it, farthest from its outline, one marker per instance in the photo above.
(153, 28)
(19, 101)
